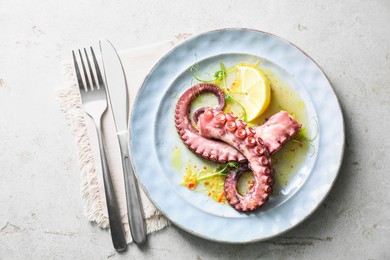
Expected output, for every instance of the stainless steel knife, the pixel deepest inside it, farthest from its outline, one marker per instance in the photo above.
(118, 95)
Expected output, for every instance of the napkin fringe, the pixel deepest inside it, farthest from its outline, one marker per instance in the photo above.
(71, 106)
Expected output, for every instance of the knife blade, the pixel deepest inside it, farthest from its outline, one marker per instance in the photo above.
(118, 98)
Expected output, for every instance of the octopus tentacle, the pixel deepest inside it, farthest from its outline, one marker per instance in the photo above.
(277, 130)
(214, 150)
(216, 124)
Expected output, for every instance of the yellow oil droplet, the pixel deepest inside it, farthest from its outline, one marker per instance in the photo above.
(176, 159)
(301, 105)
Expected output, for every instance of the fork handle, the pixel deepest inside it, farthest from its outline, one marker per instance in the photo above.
(114, 216)
(134, 206)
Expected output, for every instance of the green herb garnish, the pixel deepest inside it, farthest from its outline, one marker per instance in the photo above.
(218, 75)
(222, 172)
(302, 137)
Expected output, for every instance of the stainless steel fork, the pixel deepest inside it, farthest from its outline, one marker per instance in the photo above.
(94, 100)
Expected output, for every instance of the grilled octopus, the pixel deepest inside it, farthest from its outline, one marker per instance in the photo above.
(223, 138)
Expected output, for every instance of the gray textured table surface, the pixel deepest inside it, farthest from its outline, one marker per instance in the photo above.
(40, 205)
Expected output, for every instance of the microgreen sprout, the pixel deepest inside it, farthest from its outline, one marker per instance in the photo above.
(244, 114)
(302, 137)
(218, 75)
(228, 96)
(222, 172)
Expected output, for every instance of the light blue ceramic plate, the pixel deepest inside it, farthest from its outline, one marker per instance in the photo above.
(154, 137)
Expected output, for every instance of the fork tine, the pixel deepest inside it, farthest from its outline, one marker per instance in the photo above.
(90, 71)
(98, 74)
(78, 75)
(89, 87)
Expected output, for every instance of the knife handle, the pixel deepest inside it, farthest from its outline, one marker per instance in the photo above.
(114, 217)
(133, 199)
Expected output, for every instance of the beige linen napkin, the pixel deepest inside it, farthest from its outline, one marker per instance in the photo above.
(137, 63)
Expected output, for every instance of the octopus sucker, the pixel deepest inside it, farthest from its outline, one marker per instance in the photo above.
(223, 157)
(213, 157)
(199, 150)
(210, 127)
(184, 136)
(232, 159)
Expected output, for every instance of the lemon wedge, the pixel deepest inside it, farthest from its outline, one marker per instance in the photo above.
(251, 89)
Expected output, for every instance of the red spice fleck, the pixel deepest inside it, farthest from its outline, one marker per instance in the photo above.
(220, 197)
(250, 185)
(191, 185)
